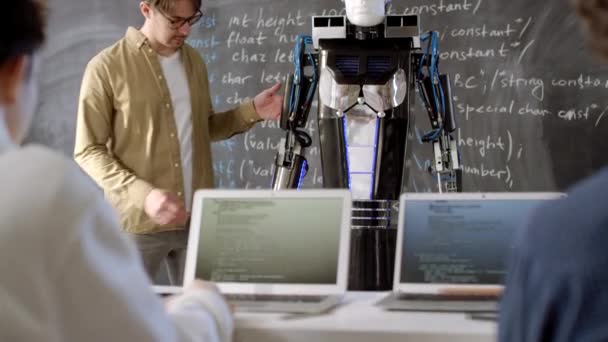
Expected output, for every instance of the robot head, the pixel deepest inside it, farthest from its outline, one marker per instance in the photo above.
(365, 12)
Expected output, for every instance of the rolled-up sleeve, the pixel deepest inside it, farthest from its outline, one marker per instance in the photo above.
(223, 125)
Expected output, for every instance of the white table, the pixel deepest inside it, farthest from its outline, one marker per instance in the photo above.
(358, 319)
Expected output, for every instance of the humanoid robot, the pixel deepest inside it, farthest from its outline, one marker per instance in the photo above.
(366, 67)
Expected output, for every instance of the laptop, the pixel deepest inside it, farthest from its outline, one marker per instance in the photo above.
(272, 251)
(452, 249)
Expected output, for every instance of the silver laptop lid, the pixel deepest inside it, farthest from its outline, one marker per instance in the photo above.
(270, 242)
(462, 238)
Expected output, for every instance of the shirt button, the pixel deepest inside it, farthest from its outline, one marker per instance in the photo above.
(172, 135)
(150, 50)
(160, 77)
(168, 105)
(176, 165)
(179, 193)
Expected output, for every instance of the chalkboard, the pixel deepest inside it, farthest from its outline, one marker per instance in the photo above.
(530, 98)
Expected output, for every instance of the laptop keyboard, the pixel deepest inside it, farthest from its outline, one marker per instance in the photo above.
(273, 298)
(445, 297)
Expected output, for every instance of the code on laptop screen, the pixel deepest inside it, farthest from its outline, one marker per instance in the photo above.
(460, 241)
(276, 240)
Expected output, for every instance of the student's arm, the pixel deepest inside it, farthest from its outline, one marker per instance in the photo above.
(103, 293)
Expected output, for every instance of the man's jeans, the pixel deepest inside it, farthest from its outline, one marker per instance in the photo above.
(168, 248)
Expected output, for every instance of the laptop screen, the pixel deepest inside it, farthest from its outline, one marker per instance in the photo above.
(270, 240)
(460, 241)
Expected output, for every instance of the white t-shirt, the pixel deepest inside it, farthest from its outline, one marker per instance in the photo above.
(177, 81)
(68, 272)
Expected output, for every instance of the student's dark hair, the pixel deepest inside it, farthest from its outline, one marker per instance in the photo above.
(594, 14)
(22, 27)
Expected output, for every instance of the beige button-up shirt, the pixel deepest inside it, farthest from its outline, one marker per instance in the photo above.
(126, 136)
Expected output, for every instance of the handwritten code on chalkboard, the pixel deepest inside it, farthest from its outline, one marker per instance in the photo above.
(529, 98)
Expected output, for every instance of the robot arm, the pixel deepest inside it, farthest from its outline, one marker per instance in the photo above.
(436, 93)
(290, 164)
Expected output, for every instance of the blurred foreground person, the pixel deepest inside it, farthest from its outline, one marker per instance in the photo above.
(68, 273)
(556, 285)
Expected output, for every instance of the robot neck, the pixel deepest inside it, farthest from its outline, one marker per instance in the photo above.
(364, 33)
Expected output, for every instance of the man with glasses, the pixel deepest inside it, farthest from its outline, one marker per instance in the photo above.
(177, 23)
(145, 123)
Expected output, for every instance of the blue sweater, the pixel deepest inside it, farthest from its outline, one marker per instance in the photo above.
(557, 284)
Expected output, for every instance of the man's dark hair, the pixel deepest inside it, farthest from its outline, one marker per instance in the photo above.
(167, 5)
(22, 26)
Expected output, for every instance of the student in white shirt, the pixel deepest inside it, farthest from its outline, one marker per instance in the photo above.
(67, 273)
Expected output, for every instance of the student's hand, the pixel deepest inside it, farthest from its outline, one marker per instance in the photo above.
(197, 285)
(268, 103)
(165, 208)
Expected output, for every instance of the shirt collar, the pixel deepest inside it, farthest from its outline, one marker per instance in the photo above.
(135, 37)
(138, 39)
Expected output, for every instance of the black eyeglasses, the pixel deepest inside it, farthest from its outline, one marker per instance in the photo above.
(177, 23)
